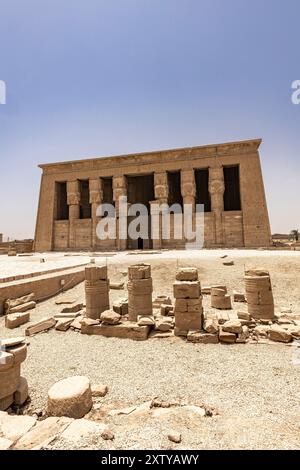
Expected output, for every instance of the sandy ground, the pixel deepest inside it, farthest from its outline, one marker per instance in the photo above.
(255, 389)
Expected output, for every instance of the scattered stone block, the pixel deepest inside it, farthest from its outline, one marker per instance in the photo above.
(99, 390)
(11, 303)
(42, 325)
(6, 402)
(70, 397)
(211, 325)
(10, 342)
(76, 324)
(63, 325)
(220, 299)
(244, 316)
(261, 331)
(116, 285)
(129, 330)
(226, 337)
(139, 271)
(232, 326)
(238, 297)
(14, 320)
(187, 274)
(42, 433)
(160, 300)
(163, 324)
(23, 307)
(6, 360)
(243, 336)
(107, 435)
(200, 337)
(21, 394)
(67, 316)
(167, 310)
(228, 263)
(145, 320)
(82, 429)
(295, 331)
(109, 317)
(276, 333)
(121, 307)
(73, 309)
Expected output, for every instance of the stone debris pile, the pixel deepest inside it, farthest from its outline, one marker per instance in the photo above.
(13, 387)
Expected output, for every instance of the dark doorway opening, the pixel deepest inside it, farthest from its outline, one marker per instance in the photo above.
(85, 206)
(107, 189)
(232, 198)
(202, 188)
(140, 190)
(62, 209)
(174, 183)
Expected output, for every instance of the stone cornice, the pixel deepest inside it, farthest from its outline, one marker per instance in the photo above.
(160, 156)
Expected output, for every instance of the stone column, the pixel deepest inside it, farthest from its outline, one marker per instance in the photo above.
(119, 190)
(259, 294)
(139, 291)
(188, 302)
(161, 192)
(73, 199)
(188, 187)
(96, 197)
(216, 190)
(96, 291)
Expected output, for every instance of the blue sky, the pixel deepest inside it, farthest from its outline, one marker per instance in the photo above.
(92, 78)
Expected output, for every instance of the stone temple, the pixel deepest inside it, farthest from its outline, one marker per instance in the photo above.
(225, 178)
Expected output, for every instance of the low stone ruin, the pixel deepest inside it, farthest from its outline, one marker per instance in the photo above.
(188, 301)
(96, 291)
(259, 294)
(219, 298)
(13, 387)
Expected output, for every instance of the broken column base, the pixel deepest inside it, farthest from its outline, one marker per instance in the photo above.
(202, 337)
(129, 330)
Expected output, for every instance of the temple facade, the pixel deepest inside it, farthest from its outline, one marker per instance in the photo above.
(225, 178)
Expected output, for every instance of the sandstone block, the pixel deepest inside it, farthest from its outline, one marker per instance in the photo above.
(19, 352)
(244, 335)
(116, 285)
(129, 330)
(109, 317)
(6, 402)
(222, 303)
(72, 309)
(14, 320)
(205, 290)
(23, 307)
(10, 342)
(163, 324)
(70, 397)
(11, 303)
(6, 360)
(139, 271)
(276, 333)
(187, 274)
(226, 337)
(99, 390)
(244, 316)
(14, 427)
(95, 273)
(232, 326)
(211, 325)
(145, 320)
(63, 325)
(204, 338)
(42, 325)
(238, 297)
(42, 433)
(186, 289)
(167, 310)
(9, 381)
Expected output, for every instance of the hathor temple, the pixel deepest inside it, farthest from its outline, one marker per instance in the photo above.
(225, 178)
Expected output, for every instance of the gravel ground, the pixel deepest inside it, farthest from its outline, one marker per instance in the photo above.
(254, 388)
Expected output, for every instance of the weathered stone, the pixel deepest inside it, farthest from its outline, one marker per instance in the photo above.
(211, 325)
(295, 331)
(42, 433)
(9, 342)
(276, 333)
(116, 285)
(200, 337)
(167, 310)
(6, 360)
(96, 291)
(14, 427)
(205, 290)
(9, 381)
(11, 303)
(128, 330)
(261, 330)
(244, 316)
(226, 337)
(42, 325)
(232, 326)
(174, 437)
(244, 335)
(23, 307)
(187, 274)
(6, 402)
(67, 316)
(187, 289)
(145, 320)
(238, 297)
(99, 390)
(163, 324)
(76, 324)
(109, 317)
(82, 429)
(72, 309)
(14, 320)
(228, 263)
(161, 299)
(70, 397)
(21, 394)
(63, 325)
(139, 271)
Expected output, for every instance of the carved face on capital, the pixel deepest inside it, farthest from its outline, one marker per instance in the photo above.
(161, 192)
(216, 187)
(188, 189)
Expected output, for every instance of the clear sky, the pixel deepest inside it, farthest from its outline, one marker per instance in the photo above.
(90, 78)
